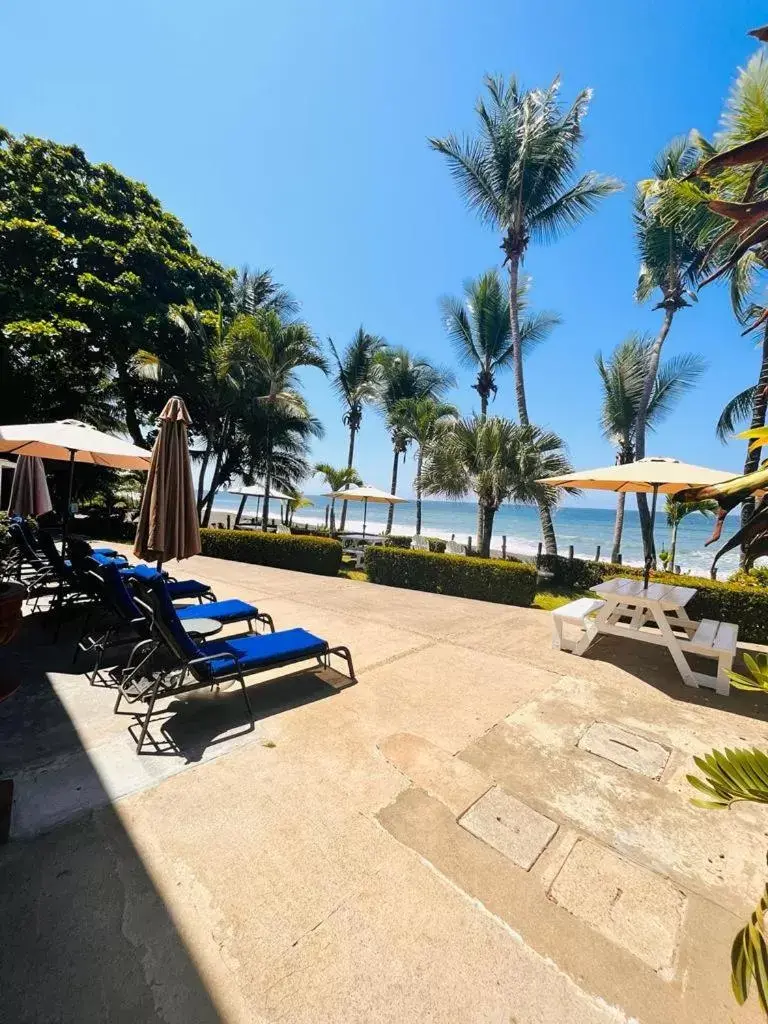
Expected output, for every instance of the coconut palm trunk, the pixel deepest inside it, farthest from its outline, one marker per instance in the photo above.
(485, 517)
(517, 348)
(201, 478)
(654, 357)
(350, 460)
(223, 442)
(419, 468)
(759, 409)
(393, 489)
(618, 526)
(267, 470)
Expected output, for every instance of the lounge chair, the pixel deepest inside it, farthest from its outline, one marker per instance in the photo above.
(124, 621)
(180, 590)
(419, 543)
(453, 548)
(283, 529)
(196, 666)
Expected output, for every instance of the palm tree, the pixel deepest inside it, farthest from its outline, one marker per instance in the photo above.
(404, 376)
(518, 174)
(479, 327)
(423, 421)
(676, 513)
(670, 264)
(257, 291)
(356, 379)
(622, 379)
(281, 349)
(335, 480)
(499, 461)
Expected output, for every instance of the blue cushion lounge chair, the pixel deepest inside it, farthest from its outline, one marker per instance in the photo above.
(178, 589)
(217, 661)
(127, 622)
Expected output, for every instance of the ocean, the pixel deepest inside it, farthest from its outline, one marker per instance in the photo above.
(585, 528)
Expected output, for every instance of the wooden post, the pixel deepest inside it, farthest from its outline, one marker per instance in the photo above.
(504, 546)
(570, 552)
(538, 555)
(469, 545)
(227, 521)
(597, 554)
(327, 514)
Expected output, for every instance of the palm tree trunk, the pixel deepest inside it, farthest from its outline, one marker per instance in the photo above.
(332, 519)
(654, 356)
(203, 469)
(223, 442)
(483, 405)
(486, 516)
(547, 529)
(618, 526)
(517, 352)
(419, 463)
(759, 408)
(267, 472)
(673, 547)
(393, 490)
(350, 457)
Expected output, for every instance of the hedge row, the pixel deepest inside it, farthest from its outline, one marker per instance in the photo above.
(483, 579)
(318, 555)
(436, 545)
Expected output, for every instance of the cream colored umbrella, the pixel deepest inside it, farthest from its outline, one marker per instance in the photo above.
(256, 491)
(653, 475)
(365, 494)
(168, 525)
(72, 441)
(29, 490)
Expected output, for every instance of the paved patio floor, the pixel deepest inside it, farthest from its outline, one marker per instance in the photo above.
(481, 829)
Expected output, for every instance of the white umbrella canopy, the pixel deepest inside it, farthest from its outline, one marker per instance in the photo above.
(29, 490)
(257, 491)
(71, 440)
(655, 475)
(365, 494)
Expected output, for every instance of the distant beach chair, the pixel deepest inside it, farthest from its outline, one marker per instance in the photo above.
(282, 528)
(453, 548)
(419, 543)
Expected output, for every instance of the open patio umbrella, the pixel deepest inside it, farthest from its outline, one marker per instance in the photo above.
(366, 494)
(653, 475)
(72, 441)
(256, 491)
(168, 525)
(29, 489)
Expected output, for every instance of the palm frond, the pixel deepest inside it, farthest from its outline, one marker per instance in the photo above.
(735, 412)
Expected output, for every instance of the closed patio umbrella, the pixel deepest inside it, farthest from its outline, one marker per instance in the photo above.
(653, 475)
(72, 441)
(365, 494)
(29, 489)
(168, 525)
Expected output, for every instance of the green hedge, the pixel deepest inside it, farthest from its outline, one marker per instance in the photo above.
(305, 554)
(484, 579)
(574, 573)
(436, 545)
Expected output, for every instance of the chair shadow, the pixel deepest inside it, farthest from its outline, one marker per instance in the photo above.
(654, 665)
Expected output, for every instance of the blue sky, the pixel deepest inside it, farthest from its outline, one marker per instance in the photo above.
(293, 135)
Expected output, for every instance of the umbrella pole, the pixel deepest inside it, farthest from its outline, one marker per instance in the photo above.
(67, 511)
(365, 515)
(649, 559)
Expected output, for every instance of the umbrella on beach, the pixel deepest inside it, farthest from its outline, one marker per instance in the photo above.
(653, 475)
(72, 441)
(168, 525)
(29, 489)
(366, 494)
(256, 491)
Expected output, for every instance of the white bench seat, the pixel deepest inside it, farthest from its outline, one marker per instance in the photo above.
(575, 613)
(714, 639)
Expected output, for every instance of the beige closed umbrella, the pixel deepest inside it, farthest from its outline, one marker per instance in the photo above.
(29, 488)
(168, 524)
(653, 475)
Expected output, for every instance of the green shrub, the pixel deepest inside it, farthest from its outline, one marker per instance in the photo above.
(575, 573)
(394, 541)
(755, 577)
(309, 531)
(436, 546)
(305, 554)
(484, 579)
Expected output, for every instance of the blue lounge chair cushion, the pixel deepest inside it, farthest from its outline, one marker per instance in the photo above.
(177, 590)
(254, 652)
(222, 611)
(109, 552)
(102, 558)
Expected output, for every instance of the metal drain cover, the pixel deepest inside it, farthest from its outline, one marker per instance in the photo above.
(625, 749)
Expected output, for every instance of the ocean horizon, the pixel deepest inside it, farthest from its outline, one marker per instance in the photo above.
(584, 528)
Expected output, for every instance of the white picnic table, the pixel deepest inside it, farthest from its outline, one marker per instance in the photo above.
(354, 544)
(657, 615)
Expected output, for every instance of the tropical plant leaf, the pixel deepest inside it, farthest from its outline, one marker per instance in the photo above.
(731, 776)
(749, 957)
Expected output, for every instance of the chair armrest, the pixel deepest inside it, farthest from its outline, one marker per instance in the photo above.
(212, 657)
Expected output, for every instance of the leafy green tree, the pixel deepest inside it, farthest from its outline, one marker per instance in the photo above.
(622, 379)
(90, 264)
(479, 327)
(518, 174)
(404, 376)
(356, 379)
(335, 479)
(423, 421)
(499, 461)
(677, 511)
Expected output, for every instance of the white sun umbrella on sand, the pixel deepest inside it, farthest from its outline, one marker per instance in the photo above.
(653, 475)
(72, 441)
(256, 491)
(366, 494)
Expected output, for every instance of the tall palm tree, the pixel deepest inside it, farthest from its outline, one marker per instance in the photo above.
(622, 379)
(335, 479)
(671, 266)
(404, 376)
(281, 349)
(676, 513)
(423, 421)
(257, 291)
(479, 327)
(356, 379)
(499, 461)
(518, 174)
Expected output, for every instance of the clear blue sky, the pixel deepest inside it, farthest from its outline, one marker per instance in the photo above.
(293, 135)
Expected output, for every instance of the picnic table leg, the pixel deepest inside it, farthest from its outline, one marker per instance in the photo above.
(592, 629)
(688, 676)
